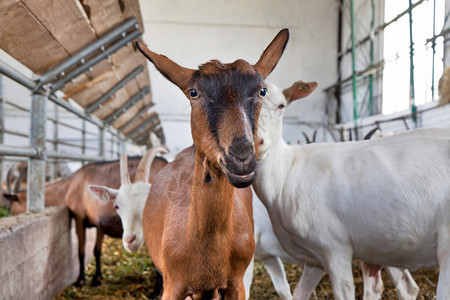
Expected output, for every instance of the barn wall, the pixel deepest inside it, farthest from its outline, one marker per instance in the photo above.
(39, 254)
(193, 32)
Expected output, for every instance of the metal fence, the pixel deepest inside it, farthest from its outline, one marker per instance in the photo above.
(44, 90)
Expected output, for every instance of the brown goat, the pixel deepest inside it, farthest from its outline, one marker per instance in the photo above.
(87, 211)
(198, 220)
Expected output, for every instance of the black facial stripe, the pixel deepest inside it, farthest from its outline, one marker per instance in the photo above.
(224, 88)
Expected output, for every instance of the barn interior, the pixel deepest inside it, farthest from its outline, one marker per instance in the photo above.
(74, 89)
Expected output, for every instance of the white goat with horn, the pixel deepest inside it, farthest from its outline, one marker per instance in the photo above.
(129, 200)
(384, 201)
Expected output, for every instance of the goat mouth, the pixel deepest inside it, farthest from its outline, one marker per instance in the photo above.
(238, 180)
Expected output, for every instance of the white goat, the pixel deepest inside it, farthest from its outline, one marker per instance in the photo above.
(384, 201)
(129, 200)
(268, 251)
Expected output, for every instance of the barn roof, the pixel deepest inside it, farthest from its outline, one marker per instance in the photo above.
(85, 49)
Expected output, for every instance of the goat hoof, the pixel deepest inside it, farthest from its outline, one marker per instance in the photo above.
(96, 281)
(79, 283)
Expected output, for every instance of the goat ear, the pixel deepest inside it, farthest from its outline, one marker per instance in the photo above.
(299, 90)
(11, 197)
(272, 54)
(171, 70)
(103, 193)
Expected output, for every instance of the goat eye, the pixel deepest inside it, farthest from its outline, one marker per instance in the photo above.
(262, 92)
(193, 94)
(281, 106)
(116, 206)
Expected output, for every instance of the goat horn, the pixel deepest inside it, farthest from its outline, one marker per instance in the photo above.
(124, 175)
(314, 136)
(19, 180)
(143, 169)
(306, 137)
(8, 181)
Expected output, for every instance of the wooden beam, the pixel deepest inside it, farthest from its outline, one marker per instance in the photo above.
(26, 39)
(65, 20)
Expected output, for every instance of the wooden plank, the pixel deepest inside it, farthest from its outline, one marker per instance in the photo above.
(131, 8)
(26, 39)
(104, 14)
(143, 118)
(112, 104)
(65, 20)
(128, 115)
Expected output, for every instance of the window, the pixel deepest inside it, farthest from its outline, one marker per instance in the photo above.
(396, 54)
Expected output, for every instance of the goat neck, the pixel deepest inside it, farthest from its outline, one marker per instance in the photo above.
(212, 198)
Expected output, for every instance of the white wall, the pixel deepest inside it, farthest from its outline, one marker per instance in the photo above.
(193, 32)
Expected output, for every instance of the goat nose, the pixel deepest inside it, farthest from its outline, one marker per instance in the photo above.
(129, 239)
(241, 148)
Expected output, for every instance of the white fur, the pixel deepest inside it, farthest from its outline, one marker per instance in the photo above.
(268, 251)
(129, 201)
(384, 201)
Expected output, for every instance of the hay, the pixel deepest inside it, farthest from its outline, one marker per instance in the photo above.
(132, 276)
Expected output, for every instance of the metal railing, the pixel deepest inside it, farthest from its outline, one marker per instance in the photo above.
(43, 90)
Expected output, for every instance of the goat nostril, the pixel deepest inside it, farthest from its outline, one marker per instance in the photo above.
(261, 141)
(129, 239)
(241, 148)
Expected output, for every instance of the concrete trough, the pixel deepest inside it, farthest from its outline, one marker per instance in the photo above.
(39, 254)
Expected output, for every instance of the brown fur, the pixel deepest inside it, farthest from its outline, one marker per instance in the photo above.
(444, 87)
(198, 227)
(87, 211)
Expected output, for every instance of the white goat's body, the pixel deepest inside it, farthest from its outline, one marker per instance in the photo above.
(269, 251)
(384, 201)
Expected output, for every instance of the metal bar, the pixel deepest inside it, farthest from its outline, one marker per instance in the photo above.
(17, 133)
(411, 66)
(83, 139)
(2, 128)
(36, 165)
(145, 130)
(372, 24)
(67, 155)
(96, 59)
(433, 46)
(15, 75)
(369, 69)
(142, 125)
(355, 90)
(55, 142)
(101, 142)
(381, 28)
(132, 101)
(86, 51)
(97, 103)
(18, 151)
(139, 113)
(70, 126)
(17, 106)
(70, 108)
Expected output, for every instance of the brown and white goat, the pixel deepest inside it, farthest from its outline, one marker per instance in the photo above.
(87, 211)
(198, 222)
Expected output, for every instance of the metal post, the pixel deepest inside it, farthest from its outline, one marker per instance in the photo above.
(433, 46)
(55, 143)
(355, 91)
(372, 35)
(36, 165)
(83, 139)
(2, 127)
(101, 142)
(411, 67)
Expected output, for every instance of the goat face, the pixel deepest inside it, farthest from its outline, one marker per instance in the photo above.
(129, 201)
(272, 111)
(225, 101)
